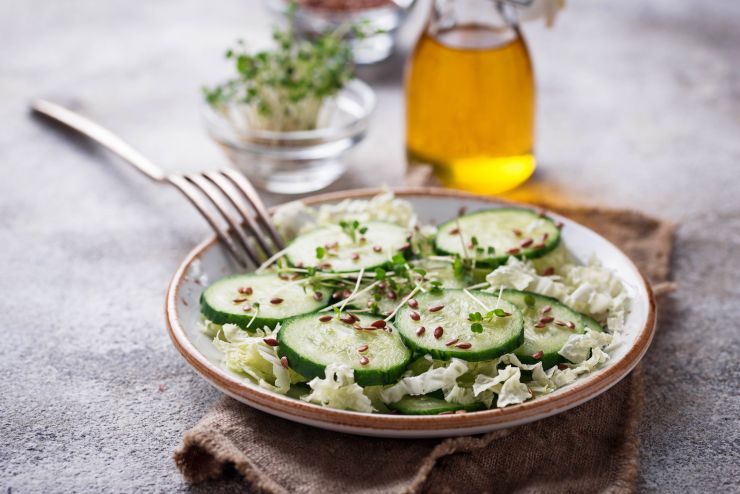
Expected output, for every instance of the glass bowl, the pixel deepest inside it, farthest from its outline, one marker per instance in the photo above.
(295, 162)
(382, 22)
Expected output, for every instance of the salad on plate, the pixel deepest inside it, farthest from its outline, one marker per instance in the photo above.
(368, 310)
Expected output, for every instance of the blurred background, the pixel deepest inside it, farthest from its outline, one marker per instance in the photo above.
(638, 106)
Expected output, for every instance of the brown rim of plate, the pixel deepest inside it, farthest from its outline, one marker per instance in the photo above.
(566, 398)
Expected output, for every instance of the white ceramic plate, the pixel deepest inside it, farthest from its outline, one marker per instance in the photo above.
(210, 261)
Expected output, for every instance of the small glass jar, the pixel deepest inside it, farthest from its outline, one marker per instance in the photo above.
(294, 162)
(380, 19)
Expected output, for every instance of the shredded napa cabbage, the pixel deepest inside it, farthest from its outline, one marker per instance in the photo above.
(591, 289)
(247, 353)
(338, 390)
(434, 379)
(295, 217)
(504, 383)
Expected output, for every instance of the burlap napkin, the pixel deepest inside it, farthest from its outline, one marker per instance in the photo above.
(592, 448)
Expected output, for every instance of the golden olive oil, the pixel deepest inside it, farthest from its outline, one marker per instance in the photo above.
(470, 108)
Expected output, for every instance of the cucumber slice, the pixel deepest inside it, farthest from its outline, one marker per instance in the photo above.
(500, 233)
(430, 405)
(500, 335)
(266, 298)
(310, 345)
(331, 248)
(541, 344)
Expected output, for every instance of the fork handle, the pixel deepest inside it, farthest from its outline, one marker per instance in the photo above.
(99, 134)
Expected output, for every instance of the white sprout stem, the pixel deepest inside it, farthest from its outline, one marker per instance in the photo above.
(271, 260)
(403, 302)
(498, 300)
(441, 258)
(256, 311)
(476, 299)
(478, 286)
(369, 287)
(354, 291)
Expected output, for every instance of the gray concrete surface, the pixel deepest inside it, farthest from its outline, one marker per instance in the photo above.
(639, 106)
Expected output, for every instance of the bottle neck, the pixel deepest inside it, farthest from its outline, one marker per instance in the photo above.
(473, 24)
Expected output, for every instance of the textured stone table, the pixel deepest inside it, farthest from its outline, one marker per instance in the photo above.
(639, 106)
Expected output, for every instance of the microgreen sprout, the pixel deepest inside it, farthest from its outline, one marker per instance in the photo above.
(284, 88)
(352, 228)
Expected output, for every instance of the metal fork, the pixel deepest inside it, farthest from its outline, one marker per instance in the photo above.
(225, 190)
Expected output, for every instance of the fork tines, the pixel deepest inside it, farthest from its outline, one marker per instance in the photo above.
(248, 230)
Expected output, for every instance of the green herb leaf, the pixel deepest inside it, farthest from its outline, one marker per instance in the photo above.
(476, 327)
(320, 252)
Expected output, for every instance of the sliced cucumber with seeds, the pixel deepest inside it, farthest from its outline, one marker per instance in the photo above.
(449, 309)
(430, 405)
(492, 236)
(256, 300)
(337, 249)
(312, 342)
(547, 326)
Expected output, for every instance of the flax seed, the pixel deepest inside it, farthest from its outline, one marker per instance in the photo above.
(364, 360)
(246, 308)
(421, 331)
(325, 318)
(463, 346)
(413, 303)
(549, 271)
(513, 250)
(318, 296)
(526, 242)
(436, 308)
(415, 316)
(363, 348)
(271, 341)
(276, 301)
(378, 324)
(284, 362)
(538, 355)
(377, 248)
(452, 342)
(438, 332)
(547, 319)
(454, 231)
